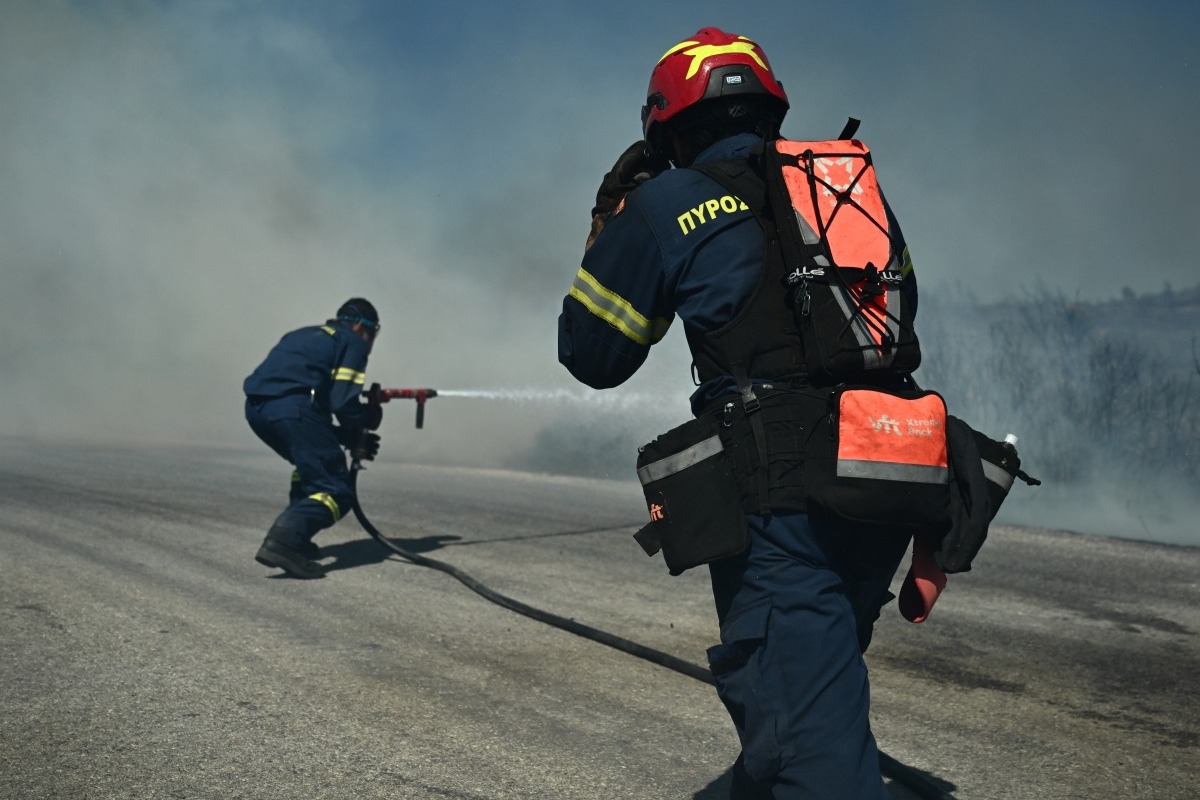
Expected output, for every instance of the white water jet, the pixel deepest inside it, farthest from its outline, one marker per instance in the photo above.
(606, 399)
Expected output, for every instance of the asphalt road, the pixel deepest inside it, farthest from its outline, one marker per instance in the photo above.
(146, 655)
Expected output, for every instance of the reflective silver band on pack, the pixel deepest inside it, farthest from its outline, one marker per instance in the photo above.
(680, 461)
(997, 475)
(888, 471)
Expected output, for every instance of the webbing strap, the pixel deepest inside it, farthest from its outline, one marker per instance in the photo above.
(762, 332)
(751, 406)
(850, 128)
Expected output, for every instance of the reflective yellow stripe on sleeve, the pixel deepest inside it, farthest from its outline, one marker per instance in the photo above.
(616, 310)
(347, 374)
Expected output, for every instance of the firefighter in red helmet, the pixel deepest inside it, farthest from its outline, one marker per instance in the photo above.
(797, 603)
(712, 65)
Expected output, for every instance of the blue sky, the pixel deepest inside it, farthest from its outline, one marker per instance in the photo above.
(185, 181)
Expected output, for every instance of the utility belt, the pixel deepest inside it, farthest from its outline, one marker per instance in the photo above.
(292, 404)
(887, 458)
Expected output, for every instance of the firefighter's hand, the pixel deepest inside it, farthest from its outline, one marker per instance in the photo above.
(366, 448)
(374, 416)
(632, 169)
(346, 437)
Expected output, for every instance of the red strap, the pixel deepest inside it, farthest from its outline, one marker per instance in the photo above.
(923, 583)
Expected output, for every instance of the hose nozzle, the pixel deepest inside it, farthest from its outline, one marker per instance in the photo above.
(378, 395)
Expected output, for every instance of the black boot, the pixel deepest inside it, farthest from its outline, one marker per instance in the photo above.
(276, 554)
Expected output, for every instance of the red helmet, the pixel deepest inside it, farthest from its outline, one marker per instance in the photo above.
(709, 65)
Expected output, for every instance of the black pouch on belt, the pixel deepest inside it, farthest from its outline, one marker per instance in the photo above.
(696, 513)
(983, 472)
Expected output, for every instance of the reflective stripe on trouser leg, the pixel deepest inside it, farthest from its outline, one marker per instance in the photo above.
(326, 499)
(302, 520)
(324, 478)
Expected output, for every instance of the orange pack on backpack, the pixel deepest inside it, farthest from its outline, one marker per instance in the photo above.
(846, 264)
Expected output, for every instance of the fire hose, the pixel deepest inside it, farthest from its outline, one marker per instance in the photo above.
(889, 766)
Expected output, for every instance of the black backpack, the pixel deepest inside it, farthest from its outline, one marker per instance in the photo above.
(842, 260)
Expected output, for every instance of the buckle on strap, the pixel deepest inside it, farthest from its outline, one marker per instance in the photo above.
(751, 404)
(749, 399)
(745, 388)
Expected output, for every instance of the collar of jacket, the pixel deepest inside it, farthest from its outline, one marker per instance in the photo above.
(737, 146)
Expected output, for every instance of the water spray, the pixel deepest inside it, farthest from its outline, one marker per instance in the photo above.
(622, 401)
(377, 395)
(514, 395)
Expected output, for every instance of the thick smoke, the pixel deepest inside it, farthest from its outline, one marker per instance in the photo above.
(1105, 398)
(185, 182)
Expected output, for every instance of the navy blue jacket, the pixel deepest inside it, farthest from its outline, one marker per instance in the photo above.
(680, 244)
(323, 365)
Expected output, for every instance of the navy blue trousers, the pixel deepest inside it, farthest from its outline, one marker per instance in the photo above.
(320, 492)
(796, 613)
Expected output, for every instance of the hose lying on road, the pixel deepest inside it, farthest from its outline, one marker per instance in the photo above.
(888, 765)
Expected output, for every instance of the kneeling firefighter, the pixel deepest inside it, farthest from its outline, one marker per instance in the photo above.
(797, 591)
(313, 375)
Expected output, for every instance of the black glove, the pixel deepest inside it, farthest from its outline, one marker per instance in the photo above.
(633, 168)
(346, 437)
(366, 447)
(374, 416)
